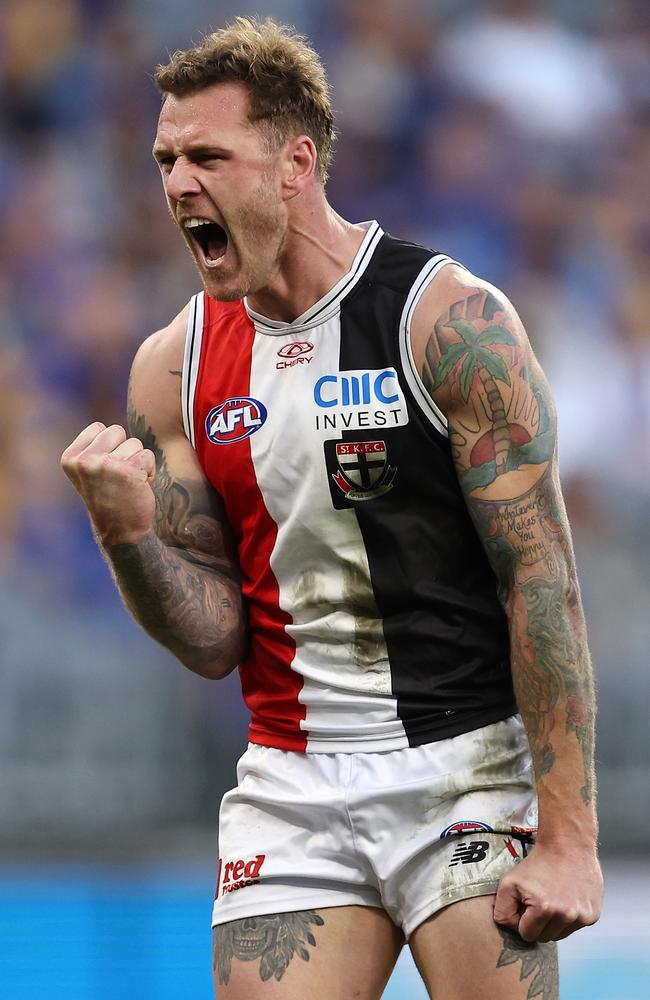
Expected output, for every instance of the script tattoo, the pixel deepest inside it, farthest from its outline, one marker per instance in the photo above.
(182, 582)
(502, 438)
(537, 960)
(274, 939)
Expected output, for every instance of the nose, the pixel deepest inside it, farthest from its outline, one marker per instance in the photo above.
(181, 182)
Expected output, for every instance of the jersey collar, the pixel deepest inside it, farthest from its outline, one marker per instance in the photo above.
(329, 304)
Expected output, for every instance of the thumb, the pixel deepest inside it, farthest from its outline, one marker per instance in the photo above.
(145, 461)
(507, 906)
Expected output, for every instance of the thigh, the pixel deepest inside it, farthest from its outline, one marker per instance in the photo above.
(334, 953)
(461, 952)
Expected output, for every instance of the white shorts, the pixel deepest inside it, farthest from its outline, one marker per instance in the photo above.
(408, 830)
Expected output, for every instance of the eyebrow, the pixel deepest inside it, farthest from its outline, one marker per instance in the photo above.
(200, 149)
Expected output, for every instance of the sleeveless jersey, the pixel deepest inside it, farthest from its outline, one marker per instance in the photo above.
(373, 613)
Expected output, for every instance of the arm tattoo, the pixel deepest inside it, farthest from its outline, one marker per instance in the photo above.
(502, 438)
(274, 939)
(181, 582)
(538, 961)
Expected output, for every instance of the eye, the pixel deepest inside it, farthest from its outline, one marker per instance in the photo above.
(207, 158)
(166, 162)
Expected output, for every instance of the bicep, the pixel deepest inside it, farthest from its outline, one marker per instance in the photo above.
(479, 367)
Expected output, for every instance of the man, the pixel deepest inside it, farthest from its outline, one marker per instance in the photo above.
(363, 446)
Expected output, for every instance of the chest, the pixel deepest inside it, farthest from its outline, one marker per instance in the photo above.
(308, 412)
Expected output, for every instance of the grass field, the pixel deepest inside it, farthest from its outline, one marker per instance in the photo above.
(99, 933)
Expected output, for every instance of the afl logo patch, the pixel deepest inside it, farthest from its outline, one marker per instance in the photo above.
(465, 826)
(235, 419)
(295, 349)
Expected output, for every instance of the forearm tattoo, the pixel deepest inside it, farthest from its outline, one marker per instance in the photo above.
(502, 435)
(538, 964)
(275, 939)
(181, 582)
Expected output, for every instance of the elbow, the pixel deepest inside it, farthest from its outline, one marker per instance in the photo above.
(214, 663)
(215, 670)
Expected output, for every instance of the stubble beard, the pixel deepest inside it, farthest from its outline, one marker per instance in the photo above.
(260, 230)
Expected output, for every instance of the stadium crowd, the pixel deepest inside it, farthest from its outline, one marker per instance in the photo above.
(514, 135)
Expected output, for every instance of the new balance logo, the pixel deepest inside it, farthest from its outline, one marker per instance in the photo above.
(469, 854)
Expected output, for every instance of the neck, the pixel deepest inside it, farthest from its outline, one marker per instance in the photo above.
(318, 250)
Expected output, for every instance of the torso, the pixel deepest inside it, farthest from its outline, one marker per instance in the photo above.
(373, 612)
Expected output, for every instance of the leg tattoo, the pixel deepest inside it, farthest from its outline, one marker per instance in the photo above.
(274, 938)
(537, 960)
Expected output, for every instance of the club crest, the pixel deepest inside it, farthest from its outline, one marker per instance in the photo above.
(362, 471)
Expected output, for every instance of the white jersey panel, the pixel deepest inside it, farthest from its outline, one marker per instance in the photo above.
(319, 559)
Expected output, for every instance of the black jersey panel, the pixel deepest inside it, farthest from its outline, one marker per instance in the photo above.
(445, 630)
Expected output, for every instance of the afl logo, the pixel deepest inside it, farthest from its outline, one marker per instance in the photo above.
(235, 420)
(465, 826)
(296, 349)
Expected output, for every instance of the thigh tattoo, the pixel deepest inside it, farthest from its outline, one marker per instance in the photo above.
(274, 938)
(537, 960)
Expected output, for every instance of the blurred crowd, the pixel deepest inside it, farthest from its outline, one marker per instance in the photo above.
(512, 134)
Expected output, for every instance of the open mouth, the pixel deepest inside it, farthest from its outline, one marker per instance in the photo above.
(211, 238)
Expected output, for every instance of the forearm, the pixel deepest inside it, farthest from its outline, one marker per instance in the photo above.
(554, 687)
(193, 610)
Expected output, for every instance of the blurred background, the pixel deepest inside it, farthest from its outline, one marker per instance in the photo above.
(514, 135)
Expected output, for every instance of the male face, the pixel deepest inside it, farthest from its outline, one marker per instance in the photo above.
(223, 188)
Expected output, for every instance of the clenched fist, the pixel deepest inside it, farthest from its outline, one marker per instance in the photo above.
(113, 476)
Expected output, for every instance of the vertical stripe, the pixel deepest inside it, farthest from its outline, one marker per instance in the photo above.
(319, 559)
(191, 363)
(445, 630)
(269, 685)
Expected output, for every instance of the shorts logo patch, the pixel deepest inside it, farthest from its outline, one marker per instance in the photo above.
(235, 419)
(465, 826)
(358, 471)
(469, 854)
(238, 874)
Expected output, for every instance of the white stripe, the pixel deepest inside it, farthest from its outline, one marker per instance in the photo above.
(320, 561)
(191, 359)
(429, 408)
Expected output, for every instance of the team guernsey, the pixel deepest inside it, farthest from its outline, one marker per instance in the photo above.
(372, 610)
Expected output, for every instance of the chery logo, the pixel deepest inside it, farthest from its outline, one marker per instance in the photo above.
(294, 354)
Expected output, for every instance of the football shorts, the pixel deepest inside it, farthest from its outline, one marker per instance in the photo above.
(408, 830)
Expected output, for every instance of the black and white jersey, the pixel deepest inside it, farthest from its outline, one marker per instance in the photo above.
(373, 611)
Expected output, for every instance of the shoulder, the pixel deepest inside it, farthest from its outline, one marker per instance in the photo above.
(165, 347)
(459, 314)
(155, 383)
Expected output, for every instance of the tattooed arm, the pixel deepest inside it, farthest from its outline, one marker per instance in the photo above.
(159, 522)
(479, 368)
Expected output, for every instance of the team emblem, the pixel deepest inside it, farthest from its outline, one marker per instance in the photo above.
(235, 419)
(363, 472)
(465, 826)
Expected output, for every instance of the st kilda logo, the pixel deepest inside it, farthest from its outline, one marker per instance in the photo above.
(363, 470)
(294, 353)
(235, 419)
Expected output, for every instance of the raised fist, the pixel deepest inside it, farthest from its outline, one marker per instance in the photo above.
(113, 476)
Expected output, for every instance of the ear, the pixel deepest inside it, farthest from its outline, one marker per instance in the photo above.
(299, 165)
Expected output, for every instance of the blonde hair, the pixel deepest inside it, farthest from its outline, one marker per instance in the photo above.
(286, 81)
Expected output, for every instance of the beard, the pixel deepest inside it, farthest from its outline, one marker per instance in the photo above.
(256, 237)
